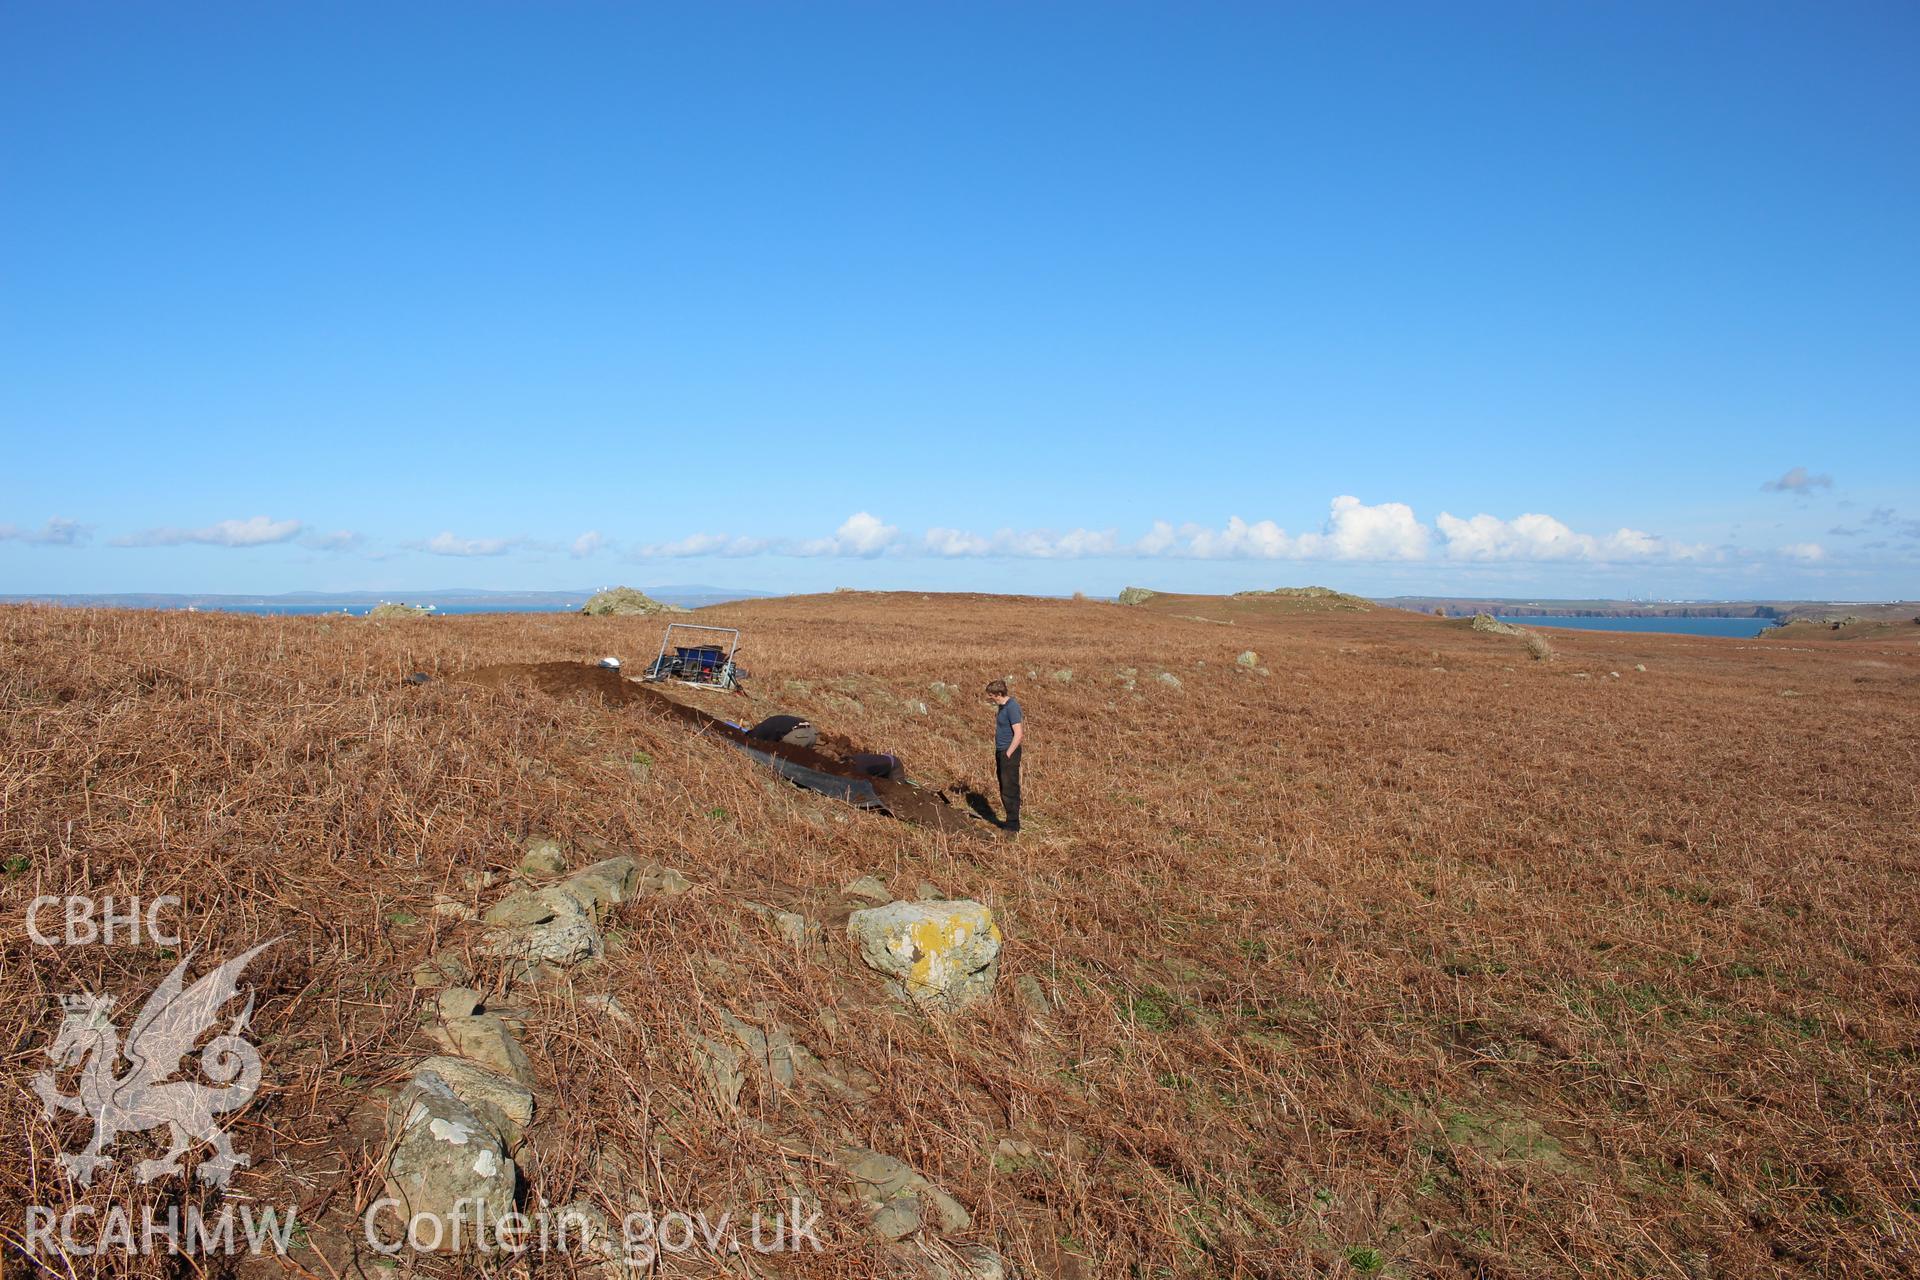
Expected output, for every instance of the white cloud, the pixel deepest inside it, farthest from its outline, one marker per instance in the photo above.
(1485, 538)
(1029, 544)
(1356, 531)
(861, 535)
(1264, 540)
(1387, 532)
(446, 544)
(1809, 552)
(1353, 531)
(338, 540)
(56, 532)
(588, 543)
(258, 531)
(955, 542)
(703, 544)
(1798, 480)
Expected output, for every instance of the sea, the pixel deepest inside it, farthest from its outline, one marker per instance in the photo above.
(1741, 627)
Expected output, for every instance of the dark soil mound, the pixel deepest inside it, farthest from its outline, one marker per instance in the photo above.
(831, 758)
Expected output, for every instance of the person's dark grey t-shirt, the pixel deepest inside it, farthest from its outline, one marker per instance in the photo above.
(1003, 724)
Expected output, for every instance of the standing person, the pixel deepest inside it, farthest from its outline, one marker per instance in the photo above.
(1009, 731)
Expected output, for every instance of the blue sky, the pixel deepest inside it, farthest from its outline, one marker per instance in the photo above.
(1524, 299)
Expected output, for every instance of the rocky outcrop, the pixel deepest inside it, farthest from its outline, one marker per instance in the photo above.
(941, 954)
(387, 611)
(623, 602)
(1136, 595)
(1310, 597)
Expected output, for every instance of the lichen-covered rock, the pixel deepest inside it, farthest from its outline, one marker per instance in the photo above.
(445, 1165)
(942, 953)
(1248, 659)
(1137, 595)
(1488, 623)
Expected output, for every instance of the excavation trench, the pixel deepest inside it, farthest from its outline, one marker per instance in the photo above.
(823, 769)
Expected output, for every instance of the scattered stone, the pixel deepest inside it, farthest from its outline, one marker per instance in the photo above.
(1639, 666)
(970, 1262)
(458, 1002)
(1249, 659)
(479, 1088)
(664, 881)
(445, 1166)
(1169, 679)
(1613, 675)
(450, 908)
(943, 954)
(543, 857)
(927, 891)
(603, 884)
(1789, 693)
(484, 1038)
(1032, 994)
(942, 690)
(609, 1005)
(520, 909)
(1581, 675)
(441, 969)
(791, 925)
(868, 888)
(566, 935)
(1063, 676)
(419, 677)
(898, 1200)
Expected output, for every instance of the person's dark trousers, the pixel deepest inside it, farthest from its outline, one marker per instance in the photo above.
(1006, 767)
